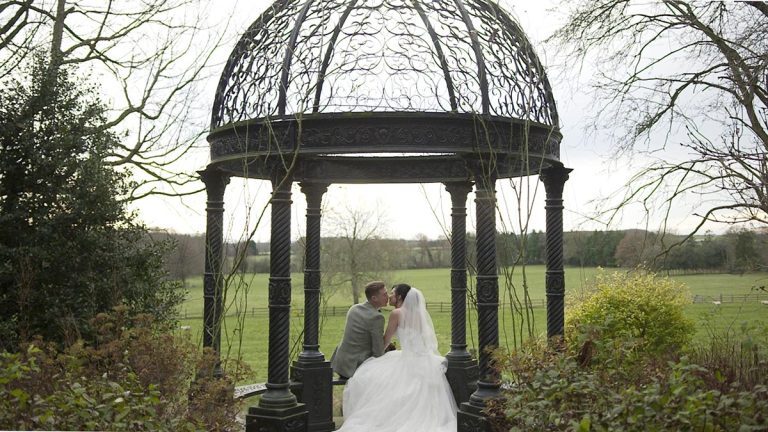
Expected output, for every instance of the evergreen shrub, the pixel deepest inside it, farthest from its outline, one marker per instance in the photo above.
(635, 307)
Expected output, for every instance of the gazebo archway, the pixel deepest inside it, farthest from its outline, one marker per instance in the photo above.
(381, 91)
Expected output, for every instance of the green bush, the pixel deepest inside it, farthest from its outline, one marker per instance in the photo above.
(69, 245)
(73, 402)
(553, 391)
(602, 381)
(636, 307)
(738, 353)
(133, 377)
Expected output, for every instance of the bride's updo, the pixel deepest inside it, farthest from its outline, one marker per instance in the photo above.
(401, 290)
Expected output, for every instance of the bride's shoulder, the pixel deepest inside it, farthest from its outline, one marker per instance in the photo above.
(397, 312)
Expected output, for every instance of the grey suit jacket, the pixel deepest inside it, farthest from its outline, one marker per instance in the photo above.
(363, 338)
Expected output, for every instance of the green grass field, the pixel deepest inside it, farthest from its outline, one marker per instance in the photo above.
(250, 291)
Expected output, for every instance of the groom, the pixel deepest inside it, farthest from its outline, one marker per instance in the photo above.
(363, 332)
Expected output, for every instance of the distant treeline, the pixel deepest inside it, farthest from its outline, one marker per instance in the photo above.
(736, 252)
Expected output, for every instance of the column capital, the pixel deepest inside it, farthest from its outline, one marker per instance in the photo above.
(554, 178)
(215, 182)
(459, 190)
(314, 193)
(281, 178)
(482, 169)
(485, 189)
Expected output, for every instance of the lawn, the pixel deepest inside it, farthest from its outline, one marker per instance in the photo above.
(250, 291)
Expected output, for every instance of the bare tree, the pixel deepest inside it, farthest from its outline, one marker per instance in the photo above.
(186, 258)
(353, 254)
(424, 251)
(692, 74)
(148, 56)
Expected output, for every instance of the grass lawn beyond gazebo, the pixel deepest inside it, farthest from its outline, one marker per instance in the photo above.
(740, 303)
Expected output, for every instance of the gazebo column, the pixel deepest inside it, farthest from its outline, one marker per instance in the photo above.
(213, 282)
(554, 179)
(470, 416)
(278, 409)
(462, 369)
(311, 369)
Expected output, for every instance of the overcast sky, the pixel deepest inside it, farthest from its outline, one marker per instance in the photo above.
(409, 210)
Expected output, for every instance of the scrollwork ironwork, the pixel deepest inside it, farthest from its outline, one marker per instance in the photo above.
(331, 56)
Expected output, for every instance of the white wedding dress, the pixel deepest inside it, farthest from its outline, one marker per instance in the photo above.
(406, 390)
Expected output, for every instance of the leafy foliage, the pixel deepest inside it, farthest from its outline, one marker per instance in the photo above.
(133, 378)
(68, 247)
(635, 306)
(738, 352)
(628, 390)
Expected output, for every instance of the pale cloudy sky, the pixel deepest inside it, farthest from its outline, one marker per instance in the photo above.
(410, 210)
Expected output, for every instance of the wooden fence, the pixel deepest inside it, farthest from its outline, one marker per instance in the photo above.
(443, 307)
(732, 298)
(433, 308)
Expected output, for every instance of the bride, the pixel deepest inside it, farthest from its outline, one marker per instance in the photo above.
(406, 390)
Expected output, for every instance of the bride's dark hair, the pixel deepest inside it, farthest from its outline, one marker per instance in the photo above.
(401, 290)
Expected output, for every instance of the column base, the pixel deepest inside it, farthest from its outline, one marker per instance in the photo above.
(462, 375)
(293, 419)
(315, 392)
(471, 418)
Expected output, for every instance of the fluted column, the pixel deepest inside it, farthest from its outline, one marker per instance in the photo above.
(311, 368)
(277, 394)
(314, 194)
(459, 192)
(471, 416)
(213, 282)
(554, 179)
(462, 369)
(487, 286)
(278, 407)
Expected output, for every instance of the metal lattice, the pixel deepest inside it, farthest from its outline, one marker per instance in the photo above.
(337, 56)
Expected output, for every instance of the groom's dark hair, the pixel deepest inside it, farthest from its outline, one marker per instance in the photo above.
(373, 288)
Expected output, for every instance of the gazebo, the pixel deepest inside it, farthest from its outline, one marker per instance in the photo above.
(321, 92)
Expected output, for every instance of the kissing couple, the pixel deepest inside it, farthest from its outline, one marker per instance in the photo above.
(398, 390)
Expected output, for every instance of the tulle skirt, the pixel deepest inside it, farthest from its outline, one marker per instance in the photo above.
(399, 392)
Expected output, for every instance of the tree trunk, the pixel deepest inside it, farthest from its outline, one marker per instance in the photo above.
(355, 289)
(54, 63)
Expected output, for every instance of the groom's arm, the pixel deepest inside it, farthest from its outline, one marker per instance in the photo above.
(377, 335)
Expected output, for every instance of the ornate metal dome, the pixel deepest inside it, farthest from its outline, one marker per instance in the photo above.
(428, 79)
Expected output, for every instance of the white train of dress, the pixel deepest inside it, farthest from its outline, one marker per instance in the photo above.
(402, 391)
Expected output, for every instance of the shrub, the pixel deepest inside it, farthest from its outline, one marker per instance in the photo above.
(720, 384)
(133, 377)
(552, 391)
(635, 307)
(69, 245)
(736, 354)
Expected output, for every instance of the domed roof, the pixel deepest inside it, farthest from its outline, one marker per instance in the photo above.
(347, 56)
